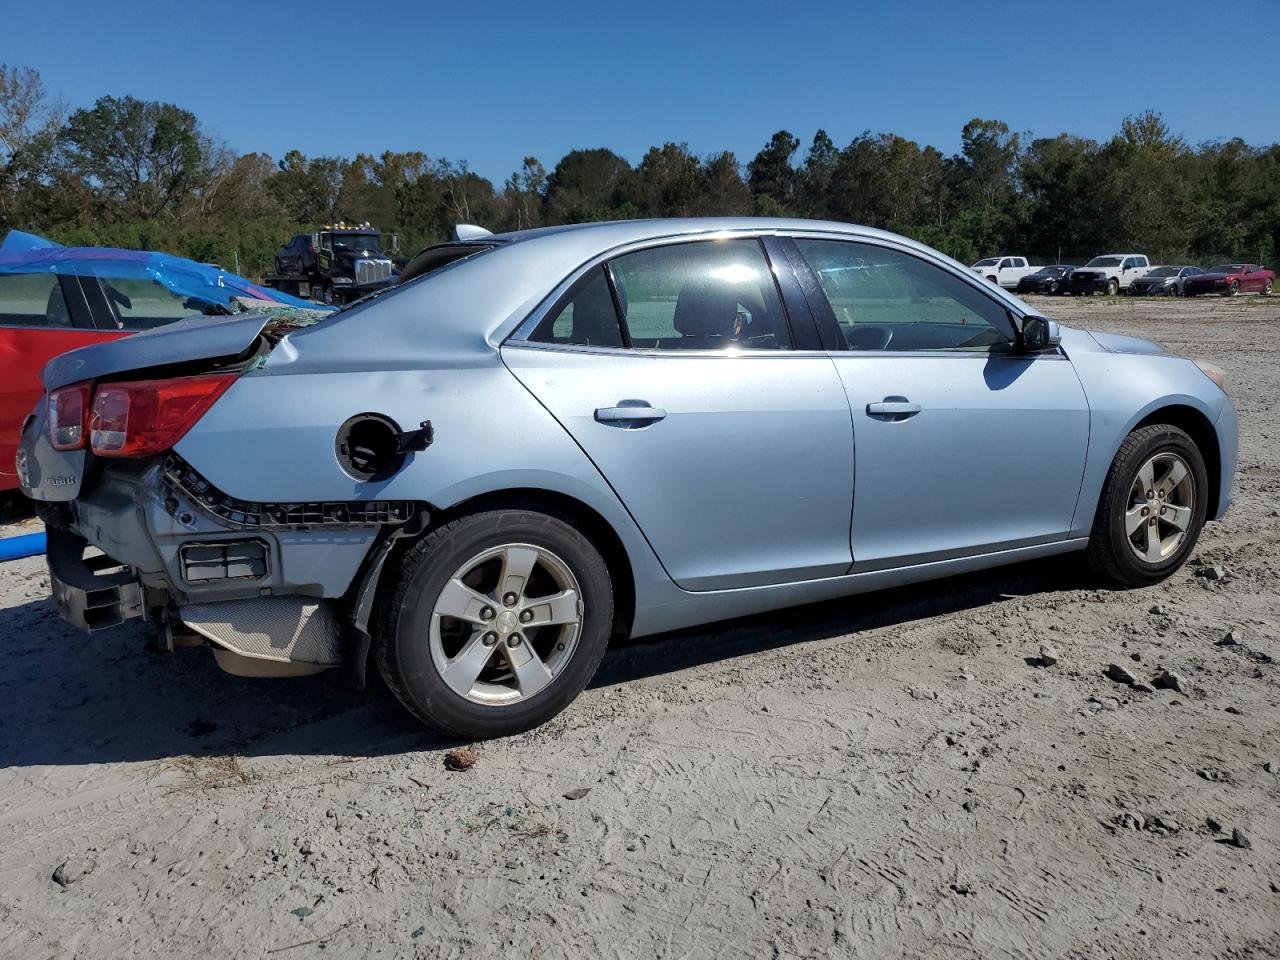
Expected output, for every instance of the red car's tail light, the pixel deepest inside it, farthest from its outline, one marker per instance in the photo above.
(142, 417)
(68, 413)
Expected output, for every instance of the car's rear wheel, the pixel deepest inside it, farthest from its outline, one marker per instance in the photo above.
(1152, 507)
(1113, 287)
(496, 622)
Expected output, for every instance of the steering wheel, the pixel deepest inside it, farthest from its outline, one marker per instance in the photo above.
(869, 338)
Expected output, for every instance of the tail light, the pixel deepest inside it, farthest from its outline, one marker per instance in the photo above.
(142, 417)
(68, 411)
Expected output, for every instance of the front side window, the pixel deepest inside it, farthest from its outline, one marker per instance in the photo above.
(585, 318)
(704, 295)
(887, 300)
(32, 300)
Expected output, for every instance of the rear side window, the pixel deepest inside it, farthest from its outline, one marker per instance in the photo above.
(585, 318)
(704, 295)
(32, 300)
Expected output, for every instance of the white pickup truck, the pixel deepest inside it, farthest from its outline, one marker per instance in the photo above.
(1006, 271)
(1109, 273)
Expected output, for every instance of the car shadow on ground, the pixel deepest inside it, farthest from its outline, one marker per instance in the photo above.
(66, 698)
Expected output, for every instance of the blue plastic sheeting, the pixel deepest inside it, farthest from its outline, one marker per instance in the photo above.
(201, 282)
(28, 545)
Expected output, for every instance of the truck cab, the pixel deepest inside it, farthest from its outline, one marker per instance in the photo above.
(337, 263)
(1110, 273)
(1005, 271)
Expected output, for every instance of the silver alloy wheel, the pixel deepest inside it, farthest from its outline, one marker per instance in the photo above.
(1160, 506)
(506, 624)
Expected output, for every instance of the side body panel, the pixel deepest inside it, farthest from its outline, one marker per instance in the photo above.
(747, 478)
(993, 459)
(1124, 388)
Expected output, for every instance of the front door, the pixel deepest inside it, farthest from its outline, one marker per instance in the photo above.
(962, 445)
(731, 449)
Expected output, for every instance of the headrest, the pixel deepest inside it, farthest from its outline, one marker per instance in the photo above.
(706, 308)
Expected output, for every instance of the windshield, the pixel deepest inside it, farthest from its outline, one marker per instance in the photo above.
(356, 241)
(1051, 271)
(1226, 268)
(1104, 262)
(989, 262)
(1164, 272)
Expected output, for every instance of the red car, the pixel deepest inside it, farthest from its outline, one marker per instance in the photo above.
(54, 299)
(1228, 279)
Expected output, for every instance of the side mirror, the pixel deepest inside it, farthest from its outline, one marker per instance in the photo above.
(1040, 334)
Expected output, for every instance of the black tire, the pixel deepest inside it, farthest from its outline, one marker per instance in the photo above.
(1109, 551)
(1232, 290)
(1113, 287)
(1053, 288)
(1266, 289)
(403, 653)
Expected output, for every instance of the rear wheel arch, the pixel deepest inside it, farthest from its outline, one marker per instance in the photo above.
(577, 514)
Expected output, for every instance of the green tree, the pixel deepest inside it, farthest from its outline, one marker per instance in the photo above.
(771, 176)
(147, 157)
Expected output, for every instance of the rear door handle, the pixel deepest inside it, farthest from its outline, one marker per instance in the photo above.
(633, 412)
(895, 408)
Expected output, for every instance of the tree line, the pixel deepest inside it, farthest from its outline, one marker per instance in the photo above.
(143, 174)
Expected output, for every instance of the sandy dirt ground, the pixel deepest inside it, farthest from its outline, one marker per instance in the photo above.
(890, 775)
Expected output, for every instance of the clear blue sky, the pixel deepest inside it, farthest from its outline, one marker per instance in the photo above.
(490, 82)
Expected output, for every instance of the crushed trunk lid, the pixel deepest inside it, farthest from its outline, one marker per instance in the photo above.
(186, 341)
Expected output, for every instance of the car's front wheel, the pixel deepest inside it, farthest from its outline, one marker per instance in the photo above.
(1233, 290)
(1266, 289)
(496, 622)
(1152, 507)
(1113, 287)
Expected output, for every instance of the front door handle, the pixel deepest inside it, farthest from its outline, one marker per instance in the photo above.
(893, 408)
(628, 413)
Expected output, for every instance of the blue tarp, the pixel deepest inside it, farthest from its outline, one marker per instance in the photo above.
(202, 282)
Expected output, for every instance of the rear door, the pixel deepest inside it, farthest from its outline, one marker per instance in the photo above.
(962, 446)
(726, 439)
(41, 316)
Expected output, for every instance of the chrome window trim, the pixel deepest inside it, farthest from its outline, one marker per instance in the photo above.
(520, 336)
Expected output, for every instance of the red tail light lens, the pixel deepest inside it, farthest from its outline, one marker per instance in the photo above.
(142, 417)
(68, 411)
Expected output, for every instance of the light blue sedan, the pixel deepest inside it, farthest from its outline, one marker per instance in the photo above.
(543, 440)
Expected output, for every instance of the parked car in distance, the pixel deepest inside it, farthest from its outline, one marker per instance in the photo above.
(54, 299)
(1109, 273)
(605, 430)
(1005, 271)
(1162, 281)
(1052, 280)
(1229, 279)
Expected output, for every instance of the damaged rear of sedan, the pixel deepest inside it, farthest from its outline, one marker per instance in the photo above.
(543, 440)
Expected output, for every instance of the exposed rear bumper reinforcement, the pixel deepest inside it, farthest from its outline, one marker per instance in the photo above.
(85, 596)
